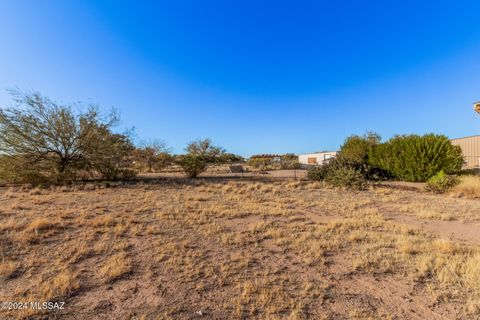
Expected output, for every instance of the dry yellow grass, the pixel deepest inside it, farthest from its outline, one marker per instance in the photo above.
(469, 186)
(39, 225)
(237, 249)
(116, 266)
(8, 268)
(60, 285)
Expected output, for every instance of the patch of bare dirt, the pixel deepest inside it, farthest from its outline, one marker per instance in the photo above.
(453, 230)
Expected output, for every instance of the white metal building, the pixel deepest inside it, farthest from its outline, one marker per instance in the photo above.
(316, 158)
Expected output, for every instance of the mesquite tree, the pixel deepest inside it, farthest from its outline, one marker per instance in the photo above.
(40, 136)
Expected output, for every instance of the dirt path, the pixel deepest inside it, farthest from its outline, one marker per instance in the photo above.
(458, 231)
(454, 230)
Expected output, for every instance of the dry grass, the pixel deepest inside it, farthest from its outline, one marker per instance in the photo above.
(469, 186)
(116, 266)
(430, 207)
(237, 249)
(426, 211)
(8, 268)
(60, 285)
(39, 225)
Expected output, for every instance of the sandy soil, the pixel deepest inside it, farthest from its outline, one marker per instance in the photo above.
(225, 174)
(223, 248)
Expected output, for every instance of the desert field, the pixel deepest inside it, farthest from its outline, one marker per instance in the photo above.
(233, 248)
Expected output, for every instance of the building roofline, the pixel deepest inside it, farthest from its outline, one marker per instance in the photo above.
(320, 152)
(472, 136)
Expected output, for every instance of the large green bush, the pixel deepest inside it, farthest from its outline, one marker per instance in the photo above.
(417, 158)
(357, 148)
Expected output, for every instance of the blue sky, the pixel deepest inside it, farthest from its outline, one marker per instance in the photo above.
(255, 76)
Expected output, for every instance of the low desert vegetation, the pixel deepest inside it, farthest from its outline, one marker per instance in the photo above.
(117, 266)
(237, 249)
(192, 165)
(200, 154)
(468, 186)
(341, 172)
(152, 156)
(417, 158)
(351, 167)
(441, 182)
(411, 158)
(43, 142)
(61, 285)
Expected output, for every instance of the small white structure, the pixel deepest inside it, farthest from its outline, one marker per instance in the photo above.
(317, 158)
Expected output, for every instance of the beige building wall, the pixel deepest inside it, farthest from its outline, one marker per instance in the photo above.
(317, 158)
(471, 150)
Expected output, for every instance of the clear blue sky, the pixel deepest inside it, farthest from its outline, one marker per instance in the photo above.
(255, 76)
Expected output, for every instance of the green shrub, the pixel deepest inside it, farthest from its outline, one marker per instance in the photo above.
(192, 164)
(340, 172)
(417, 158)
(346, 177)
(317, 173)
(357, 148)
(441, 182)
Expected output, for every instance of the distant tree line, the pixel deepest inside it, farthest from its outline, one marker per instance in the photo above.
(42, 141)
